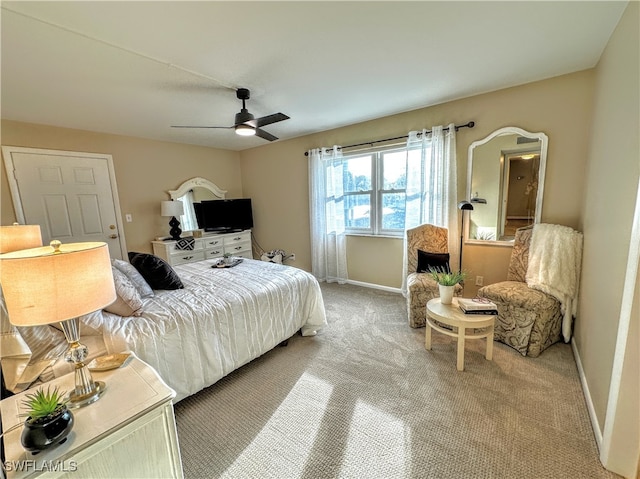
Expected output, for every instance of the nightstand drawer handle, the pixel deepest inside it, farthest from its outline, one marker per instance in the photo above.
(238, 247)
(187, 257)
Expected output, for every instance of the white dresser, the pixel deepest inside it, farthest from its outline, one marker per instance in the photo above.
(210, 246)
(130, 432)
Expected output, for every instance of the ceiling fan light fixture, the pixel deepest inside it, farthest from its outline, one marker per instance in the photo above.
(245, 123)
(245, 130)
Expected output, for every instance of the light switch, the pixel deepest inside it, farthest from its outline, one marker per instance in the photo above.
(128, 217)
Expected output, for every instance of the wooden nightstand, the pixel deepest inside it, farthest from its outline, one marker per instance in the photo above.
(129, 433)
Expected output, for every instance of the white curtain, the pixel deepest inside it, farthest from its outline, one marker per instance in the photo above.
(328, 240)
(188, 219)
(432, 186)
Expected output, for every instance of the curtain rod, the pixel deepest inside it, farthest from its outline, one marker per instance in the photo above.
(471, 124)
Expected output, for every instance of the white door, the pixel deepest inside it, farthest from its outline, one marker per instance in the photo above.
(72, 196)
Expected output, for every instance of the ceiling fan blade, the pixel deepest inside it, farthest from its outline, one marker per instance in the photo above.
(265, 135)
(186, 126)
(267, 120)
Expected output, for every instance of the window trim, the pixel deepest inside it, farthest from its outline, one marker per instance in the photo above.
(376, 193)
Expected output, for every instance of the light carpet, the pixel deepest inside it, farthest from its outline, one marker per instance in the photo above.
(364, 399)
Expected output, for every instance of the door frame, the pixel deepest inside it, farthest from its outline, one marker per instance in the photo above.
(7, 152)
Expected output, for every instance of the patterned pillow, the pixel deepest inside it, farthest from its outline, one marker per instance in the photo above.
(135, 277)
(156, 271)
(128, 301)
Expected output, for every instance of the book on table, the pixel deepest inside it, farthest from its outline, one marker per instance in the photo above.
(477, 306)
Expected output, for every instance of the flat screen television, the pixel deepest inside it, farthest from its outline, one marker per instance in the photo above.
(225, 215)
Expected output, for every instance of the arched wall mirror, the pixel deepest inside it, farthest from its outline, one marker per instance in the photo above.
(194, 191)
(505, 184)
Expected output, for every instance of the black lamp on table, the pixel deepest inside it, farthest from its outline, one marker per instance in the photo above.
(173, 209)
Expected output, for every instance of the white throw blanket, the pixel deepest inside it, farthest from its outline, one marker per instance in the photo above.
(555, 255)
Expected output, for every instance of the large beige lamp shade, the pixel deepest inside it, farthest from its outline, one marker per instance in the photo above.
(17, 237)
(42, 286)
(58, 283)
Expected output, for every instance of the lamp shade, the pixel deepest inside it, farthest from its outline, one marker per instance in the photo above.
(171, 208)
(465, 205)
(17, 237)
(56, 283)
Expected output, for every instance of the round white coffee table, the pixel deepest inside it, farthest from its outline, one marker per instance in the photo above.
(451, 315)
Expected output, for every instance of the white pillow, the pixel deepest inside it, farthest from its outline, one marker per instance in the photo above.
(128, 301)
(135, 277)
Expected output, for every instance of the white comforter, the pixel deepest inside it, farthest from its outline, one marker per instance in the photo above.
(221, 320)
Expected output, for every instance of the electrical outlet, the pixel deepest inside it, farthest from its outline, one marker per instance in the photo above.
(479, 280)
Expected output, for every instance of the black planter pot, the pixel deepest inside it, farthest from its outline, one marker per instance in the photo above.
(47, 432)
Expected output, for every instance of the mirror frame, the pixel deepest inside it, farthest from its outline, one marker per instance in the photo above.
(544, 142)
(197, 182)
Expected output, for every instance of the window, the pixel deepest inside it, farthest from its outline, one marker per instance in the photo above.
(374, 191)
(380, 192)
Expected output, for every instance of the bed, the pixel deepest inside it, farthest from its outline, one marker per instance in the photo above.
(222, 319)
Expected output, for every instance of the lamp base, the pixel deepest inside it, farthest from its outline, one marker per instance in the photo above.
(175, 229)
(86, 390)
(76, 400)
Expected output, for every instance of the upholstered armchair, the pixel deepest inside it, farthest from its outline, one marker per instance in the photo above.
(528, 320)
(432, 241)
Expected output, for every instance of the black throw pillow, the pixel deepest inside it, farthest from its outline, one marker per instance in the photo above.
(156, 271)
(428, 260)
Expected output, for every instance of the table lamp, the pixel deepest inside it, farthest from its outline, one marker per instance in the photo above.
(59, 283)
(16, 237)
(173, 209)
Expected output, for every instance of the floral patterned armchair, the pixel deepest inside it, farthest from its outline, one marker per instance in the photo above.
(420, 286)
(528, 319)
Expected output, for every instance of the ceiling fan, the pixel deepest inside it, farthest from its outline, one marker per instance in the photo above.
(245, 123)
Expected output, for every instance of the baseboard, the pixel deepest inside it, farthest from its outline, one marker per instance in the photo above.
(375, 286)
(587, 396)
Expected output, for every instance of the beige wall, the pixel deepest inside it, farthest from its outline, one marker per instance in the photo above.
(276, 176)
(144, 169)
(611, 183)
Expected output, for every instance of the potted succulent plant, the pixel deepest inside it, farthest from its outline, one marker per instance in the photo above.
(48, 422)
(447, 281)
(227, 258)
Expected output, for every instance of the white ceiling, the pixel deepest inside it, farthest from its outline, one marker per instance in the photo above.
(136, 68)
